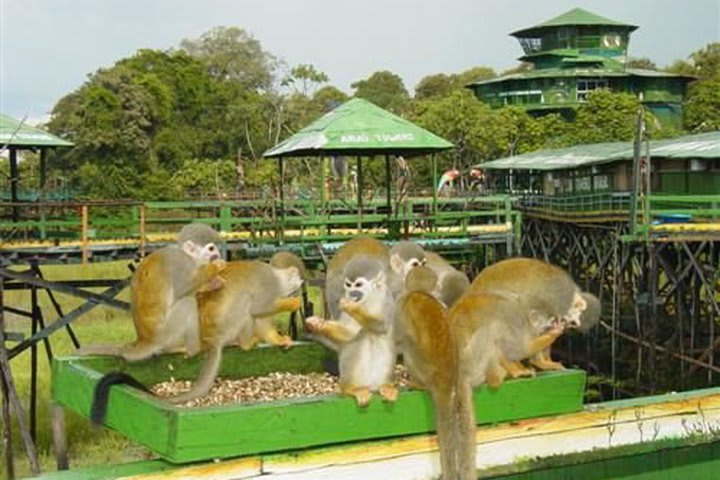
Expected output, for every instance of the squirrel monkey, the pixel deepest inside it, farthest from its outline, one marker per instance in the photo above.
(548, 290)
(396, 261)
(451, 282)
(242, 313)
(432, 354)
(162, 295)
(449, 351)
(239, 312)
(363, 333)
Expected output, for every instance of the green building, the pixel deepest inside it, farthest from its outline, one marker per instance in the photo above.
(573, 54)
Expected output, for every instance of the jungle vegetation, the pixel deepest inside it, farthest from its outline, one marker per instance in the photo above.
(196, 119)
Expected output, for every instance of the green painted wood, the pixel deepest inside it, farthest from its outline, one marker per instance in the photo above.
(663, 460)
(107, 472)
(184, 435)
(287, 425)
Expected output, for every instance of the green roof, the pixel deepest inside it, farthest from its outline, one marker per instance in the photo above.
(579, 72)
(14, 133)
(576, 16)
(359, 127)
(702, 145)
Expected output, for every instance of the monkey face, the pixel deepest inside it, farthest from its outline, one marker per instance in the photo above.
(403, 267)
(357, 289)
(203, 254)
(573, 316)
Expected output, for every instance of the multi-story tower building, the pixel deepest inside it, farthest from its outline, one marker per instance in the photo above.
(573, 54)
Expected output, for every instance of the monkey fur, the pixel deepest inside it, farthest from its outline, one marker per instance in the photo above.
(363, 333)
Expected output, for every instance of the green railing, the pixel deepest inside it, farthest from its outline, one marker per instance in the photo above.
(257, 221)
(595, 204)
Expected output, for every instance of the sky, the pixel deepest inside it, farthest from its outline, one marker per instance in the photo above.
(49, 47)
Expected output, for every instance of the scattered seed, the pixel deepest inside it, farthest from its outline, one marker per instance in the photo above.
(267, 388)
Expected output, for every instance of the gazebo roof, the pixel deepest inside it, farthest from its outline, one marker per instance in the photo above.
(14, 133)
(359, 127)
(576, 16)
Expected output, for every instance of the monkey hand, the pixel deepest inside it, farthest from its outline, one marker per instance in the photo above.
(350, 307)
(557, 328)
(314, 324)
(217, 266)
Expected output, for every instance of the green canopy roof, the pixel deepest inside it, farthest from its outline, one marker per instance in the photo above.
(359, 127)
(16, 134)
(576, 16)
(702, 145)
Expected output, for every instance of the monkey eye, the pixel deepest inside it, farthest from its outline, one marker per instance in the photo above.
(211, 248)
(359, 283)
(348, 283)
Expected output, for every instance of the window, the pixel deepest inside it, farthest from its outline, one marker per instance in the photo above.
(584, 86)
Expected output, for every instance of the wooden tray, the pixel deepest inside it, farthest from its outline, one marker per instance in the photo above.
(182, 435)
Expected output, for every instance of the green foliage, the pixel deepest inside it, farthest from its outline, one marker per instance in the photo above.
(478, 132)
(706, 61)
(232, 54)
(305, 79)
(702, 107)
(384, 89)
(642, 63)
(437, 85)
(606, 117)
(206, 176)
(440, 84)
(168, 124)
(474, 74)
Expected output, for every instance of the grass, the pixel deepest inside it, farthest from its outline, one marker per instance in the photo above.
(87, 445)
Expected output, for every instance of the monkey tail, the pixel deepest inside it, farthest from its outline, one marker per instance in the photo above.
(456, 430)
(101, 396)
(464, 413)
(205, 379)
(462, 419)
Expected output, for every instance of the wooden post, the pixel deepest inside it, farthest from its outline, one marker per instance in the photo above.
(10, 394)
(141, 230)
(59, 437)
(85, 244)
(281, 233)
(388, 199)
(435, 191)
(359, 194)
(7, 431)
(43, 196)
(14, 183)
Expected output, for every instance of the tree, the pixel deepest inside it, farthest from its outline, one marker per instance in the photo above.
(305, 79)
(441, 84)
(605, 117)
(437, 85)
(474, 74)
(706, 61)
(643, 63)
(702, 106)
(703, 64)
(385, 89)
(329, 97)
(233, 54)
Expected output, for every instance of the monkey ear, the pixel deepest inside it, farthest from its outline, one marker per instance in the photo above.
(190, 248)
(397, 264)
(378, 281)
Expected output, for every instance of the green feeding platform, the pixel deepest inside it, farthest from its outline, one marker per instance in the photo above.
(182, 435)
